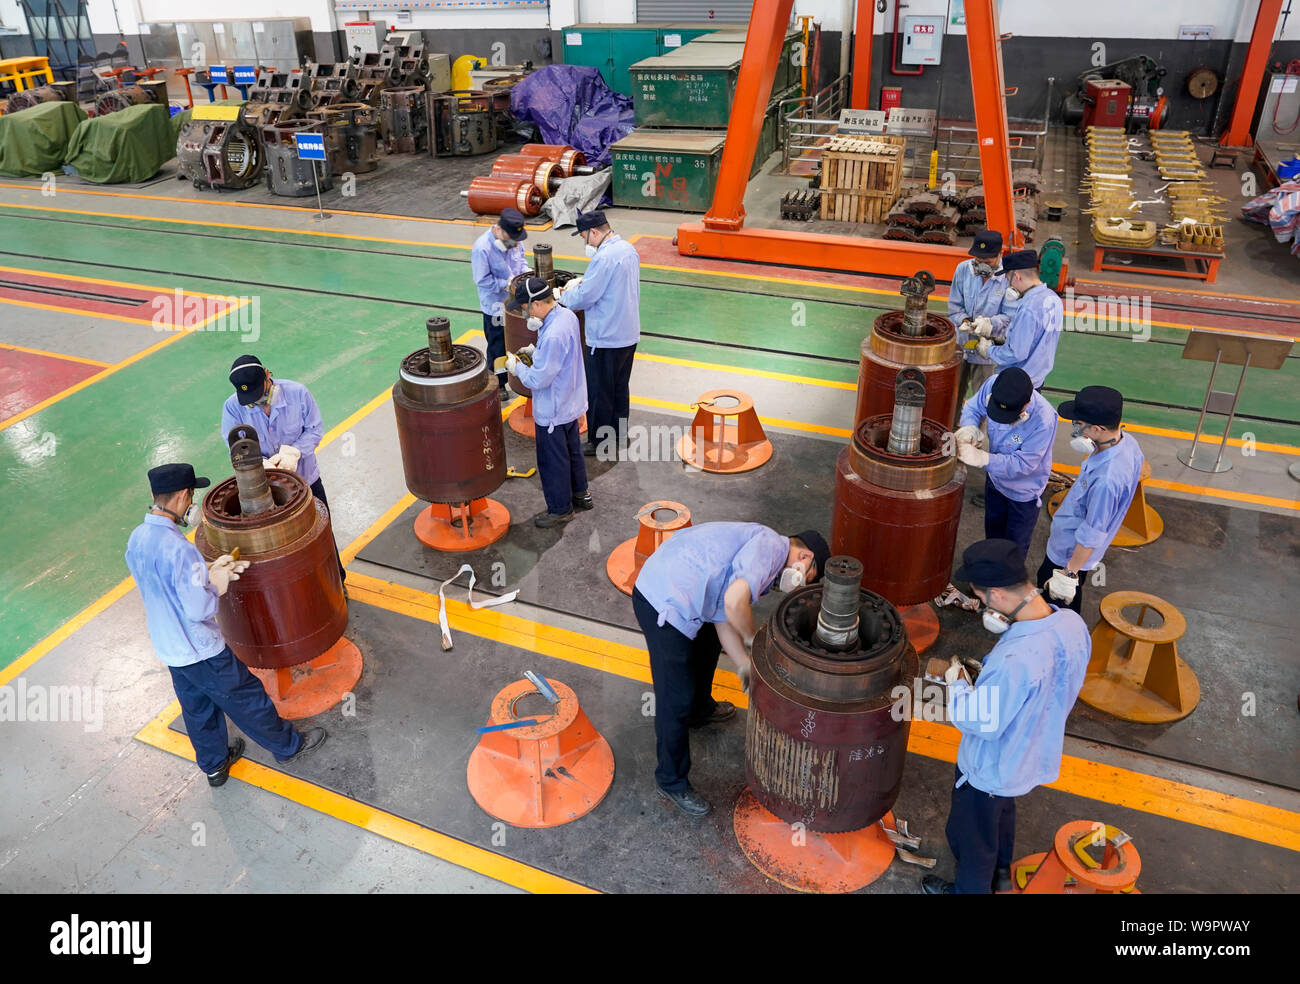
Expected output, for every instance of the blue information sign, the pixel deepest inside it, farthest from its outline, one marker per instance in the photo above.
(218, 74)
(245, 74)
(311, 146)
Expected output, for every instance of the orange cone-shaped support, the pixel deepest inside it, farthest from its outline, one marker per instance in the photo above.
(521, 420)
(726, 436)
(1142, 524)
(1135, 672)
(922, 625)
(468, 526)
(806, 860)
(544, 774)
(1072, 868)
(659, 521)
(311, 688)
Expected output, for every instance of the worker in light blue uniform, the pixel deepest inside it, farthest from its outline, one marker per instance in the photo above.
(979, 307)
(180, 591)
(1018, 459)
(287, 421)
(1093, 511)
(1035, 328)
(1012, 720)
(559, 399)
(692, 600)
(609, 294)
(495, 260)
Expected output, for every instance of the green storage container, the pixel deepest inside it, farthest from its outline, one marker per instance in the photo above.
(692, 86)
(787, 73)
(612, 48)
(677, 34)
(664, 169)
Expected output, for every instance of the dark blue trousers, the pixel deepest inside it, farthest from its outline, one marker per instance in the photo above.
(212, 688)
(1006, 519)
(494, 329)
(982, 835)
(609, 374)
(560, 466)
(682, 672)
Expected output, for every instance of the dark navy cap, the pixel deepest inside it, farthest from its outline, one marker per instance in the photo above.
(815, 542)
(1098, 405)
(992, 564)
(1021, 259)
(512, 224)
(532, 289)
(247, 375)
(987, 245)
(174, 478)
(1010, 394)
(589, 220)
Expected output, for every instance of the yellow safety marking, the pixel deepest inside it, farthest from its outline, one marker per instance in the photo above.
(54, 355)
(1203, 490)
(784, 377)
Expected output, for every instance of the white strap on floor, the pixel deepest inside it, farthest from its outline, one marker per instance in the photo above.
(475, 605)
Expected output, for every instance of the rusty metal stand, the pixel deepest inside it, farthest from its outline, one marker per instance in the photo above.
(659, 520)
(311, 688)
(726, 436)
(464, 527)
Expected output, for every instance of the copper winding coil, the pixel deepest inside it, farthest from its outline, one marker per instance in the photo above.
(934, 346)
(291, 519)
(544, 174)
(870, 457)
(562, 154)
(488, 196)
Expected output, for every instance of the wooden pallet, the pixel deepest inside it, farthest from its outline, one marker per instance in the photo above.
(861, 178)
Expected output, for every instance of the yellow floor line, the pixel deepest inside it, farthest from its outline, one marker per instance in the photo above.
(54, 355)
(394, 828)
(1080, 777)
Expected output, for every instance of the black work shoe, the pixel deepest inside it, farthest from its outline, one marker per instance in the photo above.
(934, 885)
(233, 754)
(583, 502)
(545, 520)
(688, 801)
(1002, 880)
(310, 739)
(723, 710)
(589, 450)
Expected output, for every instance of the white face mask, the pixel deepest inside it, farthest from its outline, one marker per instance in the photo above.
(590, 250)
(191, 515)
(534, 324)
(1081, 444)
(997, 623)
(982, 269)
(1011, 292)
(505, 245)
(791, 578)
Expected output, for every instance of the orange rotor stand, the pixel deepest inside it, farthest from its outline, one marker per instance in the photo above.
(464, 527)
(659, 520)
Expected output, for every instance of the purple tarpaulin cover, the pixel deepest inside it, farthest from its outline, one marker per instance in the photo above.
(571, 104)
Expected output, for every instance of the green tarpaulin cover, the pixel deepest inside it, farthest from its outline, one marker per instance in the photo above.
(123, 147)
(34, 141)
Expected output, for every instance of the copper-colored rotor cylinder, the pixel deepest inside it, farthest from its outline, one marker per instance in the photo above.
(886, 350)
(565, 156)
(823, 744)
(544, 174)
(489, 196)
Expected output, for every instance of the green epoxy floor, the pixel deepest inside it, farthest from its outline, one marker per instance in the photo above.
(339, 313)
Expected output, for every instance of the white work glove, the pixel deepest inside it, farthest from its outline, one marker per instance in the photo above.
(1062, 586)
(983, 327)
(969, 435)
(224, 570)
(286, 458)
(954, 672)
(529, 350)
(969, 454)
(266, 463)
(984, 347)
(512, 363)
(571, 284)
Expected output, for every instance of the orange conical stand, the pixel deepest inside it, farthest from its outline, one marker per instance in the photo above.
(808, 861)
(659, 520)
(311, 688)
(1070, 869)
(726, 436)
(544, 774)
(521, 420)
(922, 625)
(468, 526)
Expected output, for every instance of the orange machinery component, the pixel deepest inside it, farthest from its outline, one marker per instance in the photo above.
(722, 233)
(726, 435)
(568, 158)
(543, 774)
(659, 520)
(545, 175)
(488, 196)
(1070, 869)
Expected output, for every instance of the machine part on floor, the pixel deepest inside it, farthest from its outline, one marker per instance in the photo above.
(351, 137)
(545, 175)
(540, 775)
(53, 92)
(277, 96)
(1070, 868)
(726, 436)
(462, 122)
(453, 441)
(658, 521)
(894, 343)
(488, 196)
(330, 83)
(823, 744)
(286, 173)
(133, 95)
(898, 513)
(404, 120)
(1055, 208)
(800, 206)
(288, 606)
(909, 398)
(571, 160)
(219, 149)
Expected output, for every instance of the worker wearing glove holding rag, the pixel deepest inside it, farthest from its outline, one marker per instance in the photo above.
(979, 306)
(1035, 328)
(180, 591)
(286, 418)
(1018, 459)
(1093, 510)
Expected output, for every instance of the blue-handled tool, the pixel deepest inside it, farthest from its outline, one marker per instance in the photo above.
(525, 722)
(543, 688)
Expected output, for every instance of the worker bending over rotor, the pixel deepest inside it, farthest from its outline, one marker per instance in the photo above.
(1035, 328)
(495, 259)
(692, 600)
(979, 306)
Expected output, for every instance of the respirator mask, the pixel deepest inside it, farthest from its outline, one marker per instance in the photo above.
(791, 578)
(534, 324)
(997, 623)
(505, 245)
(982, 269)
(1084, 445)
(1011, 293)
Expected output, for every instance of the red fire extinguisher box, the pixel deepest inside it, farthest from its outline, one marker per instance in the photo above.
(890, 97)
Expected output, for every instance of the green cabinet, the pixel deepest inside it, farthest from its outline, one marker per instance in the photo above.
(691, 86)
(665, 170)
(787, 72)
(611, 48)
